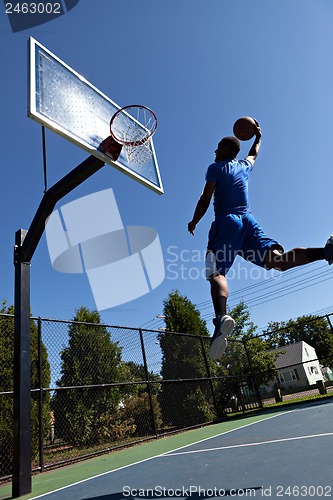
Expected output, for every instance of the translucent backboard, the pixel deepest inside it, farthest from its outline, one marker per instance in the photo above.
(66, 103)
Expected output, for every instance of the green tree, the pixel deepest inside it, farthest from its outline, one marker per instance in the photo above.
(134, 372)
(136, 402)
(115, 427)
(313, 330)
(6, 385)
(85, 416)
(138, 408)
(182, 358)
(236, 358)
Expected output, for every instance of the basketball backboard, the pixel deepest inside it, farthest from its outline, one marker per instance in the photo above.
(66, 103)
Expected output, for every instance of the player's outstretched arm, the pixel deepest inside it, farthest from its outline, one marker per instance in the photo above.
(254, 151)
(202, 205)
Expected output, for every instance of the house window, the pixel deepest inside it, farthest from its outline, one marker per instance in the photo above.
(306, 351)
(288, 376)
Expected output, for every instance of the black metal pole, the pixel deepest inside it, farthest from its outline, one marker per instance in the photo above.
(148, 382)
(25, 245)
(22, 390)
(73, 179)
(44, 158)
(208, 375)
(329, 322)
(40, 383)
(252, 374)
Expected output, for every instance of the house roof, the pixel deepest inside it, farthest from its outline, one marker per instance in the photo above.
(293, 354)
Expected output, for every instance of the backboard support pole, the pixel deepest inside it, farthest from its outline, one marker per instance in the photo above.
(22, 377)
(25, 245)
(44, 158)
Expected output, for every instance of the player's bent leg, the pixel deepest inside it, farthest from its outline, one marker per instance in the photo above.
(282, 261)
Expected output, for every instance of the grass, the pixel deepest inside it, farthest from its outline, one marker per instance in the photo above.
(299, 400)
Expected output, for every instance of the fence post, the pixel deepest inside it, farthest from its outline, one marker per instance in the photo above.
(40, 381)
(240, 397)
(252, 374)
(210, 379)
(278, 395)
(148, 382)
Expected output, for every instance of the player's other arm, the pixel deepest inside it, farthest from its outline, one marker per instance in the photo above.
(254, 151)
(202, 205)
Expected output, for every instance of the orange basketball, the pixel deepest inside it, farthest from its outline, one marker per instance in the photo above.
(244, 128)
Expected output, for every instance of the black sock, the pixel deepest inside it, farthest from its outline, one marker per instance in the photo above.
(219, 304)
(314, 254)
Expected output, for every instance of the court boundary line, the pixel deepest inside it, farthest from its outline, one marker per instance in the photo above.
(165, 454)
(244, 445)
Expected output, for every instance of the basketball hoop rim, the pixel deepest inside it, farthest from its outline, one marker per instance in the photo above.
(149, 132)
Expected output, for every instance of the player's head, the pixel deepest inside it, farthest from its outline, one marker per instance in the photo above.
(228, 147)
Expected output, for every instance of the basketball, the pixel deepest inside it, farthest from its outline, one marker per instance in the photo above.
(244, 128)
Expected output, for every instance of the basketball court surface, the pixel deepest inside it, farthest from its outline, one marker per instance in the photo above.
(277, 454)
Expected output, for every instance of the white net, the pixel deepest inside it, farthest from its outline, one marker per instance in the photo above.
(139, 154)
(133, 126)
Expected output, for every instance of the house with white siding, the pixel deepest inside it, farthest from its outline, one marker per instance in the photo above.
(298, 366)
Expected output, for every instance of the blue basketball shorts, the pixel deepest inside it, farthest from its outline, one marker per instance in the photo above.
(232, 235)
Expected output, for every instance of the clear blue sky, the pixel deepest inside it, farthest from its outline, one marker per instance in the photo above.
(199, 64)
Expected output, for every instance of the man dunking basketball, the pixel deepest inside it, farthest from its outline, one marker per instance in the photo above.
(236, 232)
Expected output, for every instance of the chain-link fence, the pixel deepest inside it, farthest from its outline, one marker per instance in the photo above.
(96, 387)
(6, 393)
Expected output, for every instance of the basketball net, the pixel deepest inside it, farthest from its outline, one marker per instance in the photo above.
(133, 127)
(139, 154)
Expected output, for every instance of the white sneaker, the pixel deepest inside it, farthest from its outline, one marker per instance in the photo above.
(328, 250)
(218, 343)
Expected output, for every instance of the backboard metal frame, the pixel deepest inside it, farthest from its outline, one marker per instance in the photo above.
(34, 47)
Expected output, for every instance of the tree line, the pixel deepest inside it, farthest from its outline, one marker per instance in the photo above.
(85, 415)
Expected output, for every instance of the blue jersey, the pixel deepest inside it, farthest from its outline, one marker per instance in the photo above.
(231, 191)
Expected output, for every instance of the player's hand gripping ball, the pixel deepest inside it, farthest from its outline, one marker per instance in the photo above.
(244, 128)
